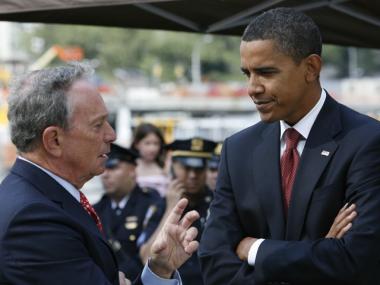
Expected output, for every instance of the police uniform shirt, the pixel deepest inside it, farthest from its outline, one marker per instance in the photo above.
(190, 271)
(130, 226)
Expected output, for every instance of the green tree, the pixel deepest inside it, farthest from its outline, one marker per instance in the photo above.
(142, 49)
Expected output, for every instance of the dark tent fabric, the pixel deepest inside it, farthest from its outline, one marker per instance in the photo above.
(343, 22)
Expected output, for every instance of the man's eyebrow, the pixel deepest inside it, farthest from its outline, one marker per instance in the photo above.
(262, 69)
(101, 117)
(265, 69)
(244, 70)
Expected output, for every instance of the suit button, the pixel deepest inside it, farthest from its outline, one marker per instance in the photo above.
(132, 237)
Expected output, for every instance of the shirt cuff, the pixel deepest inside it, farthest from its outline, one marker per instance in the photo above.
(253, 251)
(148, 278)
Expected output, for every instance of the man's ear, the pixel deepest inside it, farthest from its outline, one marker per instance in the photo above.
(52, 138)
(313, 67)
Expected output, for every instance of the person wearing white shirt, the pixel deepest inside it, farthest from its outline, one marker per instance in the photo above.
(298, 194)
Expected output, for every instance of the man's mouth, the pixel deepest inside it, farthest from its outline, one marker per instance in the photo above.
(262, 101)
(264, 105)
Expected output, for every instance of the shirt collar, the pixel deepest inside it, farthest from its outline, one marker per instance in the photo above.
(64, 183)
(121, 204)
(304, 125)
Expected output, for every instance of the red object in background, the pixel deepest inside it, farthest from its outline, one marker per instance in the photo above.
(214, 91)
(69, 53)
(240, 92)
(103, 88)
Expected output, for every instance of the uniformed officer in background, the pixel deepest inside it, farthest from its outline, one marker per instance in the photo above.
(212, 167)
(189, 164)
(127, 211)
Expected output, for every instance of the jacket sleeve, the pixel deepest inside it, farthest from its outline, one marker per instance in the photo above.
(222, 233)
(42, 247)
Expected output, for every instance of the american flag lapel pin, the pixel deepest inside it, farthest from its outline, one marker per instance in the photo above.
(325, 153)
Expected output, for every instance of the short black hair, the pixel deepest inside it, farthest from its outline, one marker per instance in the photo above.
(294, 33)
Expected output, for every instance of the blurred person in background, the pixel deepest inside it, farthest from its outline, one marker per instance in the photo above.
(149, 142)
(212, 167)
(189, 163)
(127, 211)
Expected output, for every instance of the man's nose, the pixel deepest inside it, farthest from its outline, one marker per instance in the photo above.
(192, 173)
(255, 86)
(110, 133)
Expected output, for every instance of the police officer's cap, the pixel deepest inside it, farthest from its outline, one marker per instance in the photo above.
(192, 152)
(213, 162)
(118, 154)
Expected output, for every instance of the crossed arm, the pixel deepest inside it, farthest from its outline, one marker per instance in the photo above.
(340, 226)
(350, 257)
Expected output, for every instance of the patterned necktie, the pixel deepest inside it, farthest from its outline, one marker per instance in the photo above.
(91, 211)
(289, 163)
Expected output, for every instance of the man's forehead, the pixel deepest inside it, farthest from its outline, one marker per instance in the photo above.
(87, 102)
(82, 86)
(261, 54)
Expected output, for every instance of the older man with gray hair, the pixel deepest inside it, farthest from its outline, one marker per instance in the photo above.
(49, 233)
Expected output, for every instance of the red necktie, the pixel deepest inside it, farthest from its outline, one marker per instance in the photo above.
(91, 211)
(289, 163)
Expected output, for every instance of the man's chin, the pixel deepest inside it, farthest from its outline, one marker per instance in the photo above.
(98, 171)
(267, 117)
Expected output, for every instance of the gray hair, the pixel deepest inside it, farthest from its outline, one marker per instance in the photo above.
(38, 100)
(294, 33)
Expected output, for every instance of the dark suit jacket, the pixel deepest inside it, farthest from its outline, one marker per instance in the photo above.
(46, 237)
(143, 211)
(248, 202)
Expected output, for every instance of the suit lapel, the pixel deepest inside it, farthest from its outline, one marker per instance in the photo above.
(266, 165)
(319, 149)
(75, 209)
(56, 193)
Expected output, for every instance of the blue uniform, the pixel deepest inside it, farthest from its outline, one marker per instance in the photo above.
(127, 229)
(190, 271)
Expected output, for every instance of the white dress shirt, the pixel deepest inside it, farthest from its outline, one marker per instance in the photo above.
(121, 205)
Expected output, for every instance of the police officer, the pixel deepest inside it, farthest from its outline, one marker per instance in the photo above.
(127, 211)
(189, 162)
(212, 167)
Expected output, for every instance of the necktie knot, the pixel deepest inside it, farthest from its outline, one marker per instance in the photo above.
(90, 210)
(292, 137)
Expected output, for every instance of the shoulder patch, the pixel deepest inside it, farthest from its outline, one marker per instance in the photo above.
(150, 192)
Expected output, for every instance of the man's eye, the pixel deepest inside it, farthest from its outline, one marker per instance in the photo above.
(98, 125)
(266, 72)
(246, 73)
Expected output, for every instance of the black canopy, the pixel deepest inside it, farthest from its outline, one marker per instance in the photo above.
(343, 22)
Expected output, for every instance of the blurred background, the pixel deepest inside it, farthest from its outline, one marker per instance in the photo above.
(187, 84)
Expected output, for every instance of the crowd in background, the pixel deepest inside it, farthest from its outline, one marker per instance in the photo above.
(142, 185)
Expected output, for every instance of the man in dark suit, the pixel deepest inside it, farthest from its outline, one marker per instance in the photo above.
(49, 233)
(282, 181)
(129, 213)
